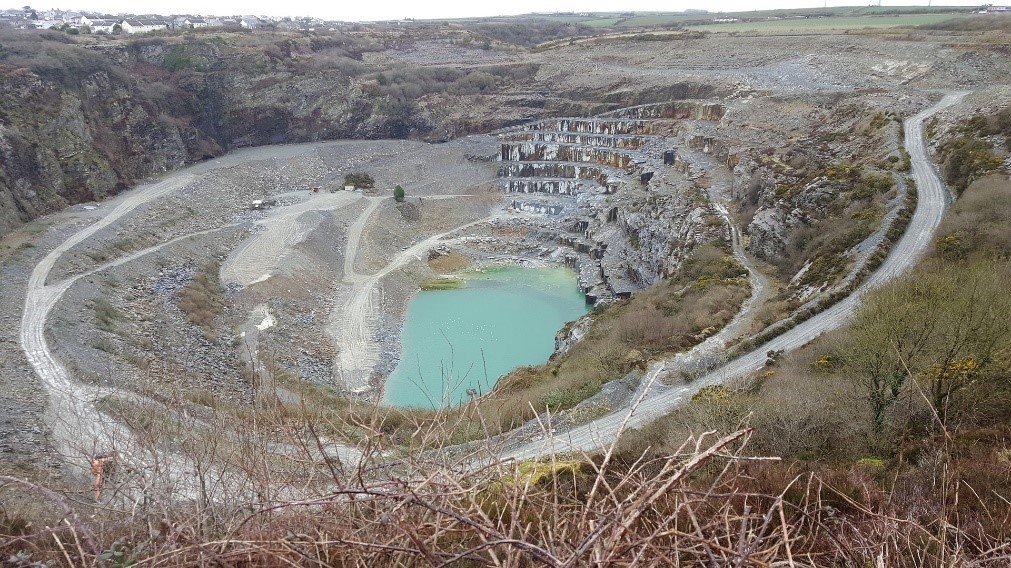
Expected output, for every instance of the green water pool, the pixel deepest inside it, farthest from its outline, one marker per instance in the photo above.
(454, 340)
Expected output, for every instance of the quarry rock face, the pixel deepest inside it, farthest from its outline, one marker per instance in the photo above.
(768, 233)
(64, 145)
(569, 336)
(628, 231)
(85, 137)
(81, 121)
(93, 120)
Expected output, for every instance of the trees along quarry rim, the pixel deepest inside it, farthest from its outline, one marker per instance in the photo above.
(504, 317)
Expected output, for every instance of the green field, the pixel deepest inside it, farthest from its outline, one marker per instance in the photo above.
(829, 23)
(600, 23)
(647, 20)
(786, 20)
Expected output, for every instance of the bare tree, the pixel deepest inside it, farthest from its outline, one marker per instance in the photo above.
(944, 329)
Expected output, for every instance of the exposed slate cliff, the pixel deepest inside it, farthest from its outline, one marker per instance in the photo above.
(67, 144)
(82, 121)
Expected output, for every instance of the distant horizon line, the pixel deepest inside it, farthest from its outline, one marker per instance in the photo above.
(685, 11)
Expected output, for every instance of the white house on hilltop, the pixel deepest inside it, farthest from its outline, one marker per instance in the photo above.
(98, 25)
(223, 23)
(103, 26)
(143, 26)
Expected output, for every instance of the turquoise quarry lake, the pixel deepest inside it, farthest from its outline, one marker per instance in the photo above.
(454, 340)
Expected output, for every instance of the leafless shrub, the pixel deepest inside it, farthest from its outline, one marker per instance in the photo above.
(282, 491)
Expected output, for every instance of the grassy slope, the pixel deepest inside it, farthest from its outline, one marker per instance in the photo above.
(827, 23)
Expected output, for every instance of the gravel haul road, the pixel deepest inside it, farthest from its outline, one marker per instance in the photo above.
(78, 426)
(80, 430)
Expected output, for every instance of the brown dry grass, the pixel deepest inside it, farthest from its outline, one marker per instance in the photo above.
(679, 510)
(709, 500)
(927, 482)
(452, 262)
(201, 300)
(978, 222)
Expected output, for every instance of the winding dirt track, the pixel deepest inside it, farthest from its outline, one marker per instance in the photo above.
(79, 429)
(267, 253)
(934, 198)
(352, 324)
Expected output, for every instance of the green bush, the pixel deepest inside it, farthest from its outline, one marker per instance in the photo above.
(360, 180)
(398, 194)
(176, 60)
(967, 159)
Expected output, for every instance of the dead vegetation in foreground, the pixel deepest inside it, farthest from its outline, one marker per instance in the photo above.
(708, 501)
(692, 507)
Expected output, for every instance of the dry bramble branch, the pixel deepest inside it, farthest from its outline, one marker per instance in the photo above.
(692, 507)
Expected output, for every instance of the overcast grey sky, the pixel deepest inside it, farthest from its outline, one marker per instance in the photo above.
(357, 10)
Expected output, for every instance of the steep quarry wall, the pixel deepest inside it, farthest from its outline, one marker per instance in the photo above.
(673, 110)
(662, 232)
(539, 208)
(634, 242)
(609, 126)
(648, 224)
(716, 147)
(81, 121)
(602, 140)
(543, 151)
(544, 185)
(568, 170)
(61, 145)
